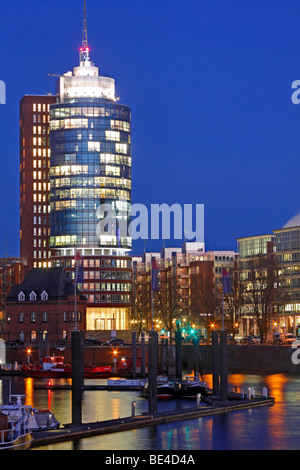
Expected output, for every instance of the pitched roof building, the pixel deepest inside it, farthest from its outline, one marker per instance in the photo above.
(44, 303)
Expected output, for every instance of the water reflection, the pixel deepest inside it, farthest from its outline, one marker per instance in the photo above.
(275, 427)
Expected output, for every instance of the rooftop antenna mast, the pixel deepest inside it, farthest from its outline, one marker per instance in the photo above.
(84, 55)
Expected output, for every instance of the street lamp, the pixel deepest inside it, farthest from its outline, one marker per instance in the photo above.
(115, 359)
(28, 355)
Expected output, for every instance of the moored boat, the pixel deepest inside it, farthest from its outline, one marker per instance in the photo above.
(95, 372)
(51, 367)
(14, 438)
(165, 389)
(15, 434)
(35, 419)
(54, 367)
(189, 389)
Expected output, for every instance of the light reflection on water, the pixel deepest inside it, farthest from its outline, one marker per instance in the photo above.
(275, 427)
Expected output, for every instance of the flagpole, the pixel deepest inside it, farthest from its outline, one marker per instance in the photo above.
(154, 286)
(152, 326)
(151, 293)
(223, 309)
(75, 291)
(225, 289)
(151, 284)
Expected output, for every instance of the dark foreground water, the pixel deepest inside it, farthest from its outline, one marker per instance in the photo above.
(267, 428)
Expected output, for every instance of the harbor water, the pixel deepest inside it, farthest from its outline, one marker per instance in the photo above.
(274, 427)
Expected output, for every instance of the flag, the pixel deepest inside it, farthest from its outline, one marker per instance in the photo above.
(78, 268)
(226, 281)
(154, 274)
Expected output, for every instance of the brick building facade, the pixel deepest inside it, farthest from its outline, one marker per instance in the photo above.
(44, 303)
(34, 181)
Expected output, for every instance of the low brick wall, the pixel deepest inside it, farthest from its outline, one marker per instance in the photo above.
(260, 359)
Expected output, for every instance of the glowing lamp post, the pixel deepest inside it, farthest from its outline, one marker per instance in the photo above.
(115, 360)
(28, 355)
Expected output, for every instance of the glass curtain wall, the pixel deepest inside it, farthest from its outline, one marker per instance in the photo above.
(90, 165)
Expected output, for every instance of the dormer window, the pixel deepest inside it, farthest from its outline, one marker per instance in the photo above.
(21, 297)
(44, 295)
(32, 296)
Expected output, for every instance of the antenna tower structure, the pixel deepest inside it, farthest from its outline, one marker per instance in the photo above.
(84, 53)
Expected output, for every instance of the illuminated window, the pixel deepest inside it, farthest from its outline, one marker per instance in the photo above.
(112, 135)
(121, 148)
(94, 146)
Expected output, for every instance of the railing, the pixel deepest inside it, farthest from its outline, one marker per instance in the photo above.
(17, 430)
(247, 392)
(4, 434)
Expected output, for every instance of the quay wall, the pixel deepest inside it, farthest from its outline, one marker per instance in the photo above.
(260, 359)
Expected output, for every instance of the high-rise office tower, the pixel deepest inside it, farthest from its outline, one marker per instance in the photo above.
(34, 181)
(90, 134)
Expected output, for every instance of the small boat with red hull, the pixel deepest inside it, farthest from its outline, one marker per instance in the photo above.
(97, 372)
(54, 367)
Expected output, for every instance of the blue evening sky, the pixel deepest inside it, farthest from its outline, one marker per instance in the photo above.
(209, 86)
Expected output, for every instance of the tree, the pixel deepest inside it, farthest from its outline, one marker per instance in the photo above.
(171, 299)
(140, 313)
(204, 300)
(258, 289)
(233, 302)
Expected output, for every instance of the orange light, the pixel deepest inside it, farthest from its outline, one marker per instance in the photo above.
(115, 352)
